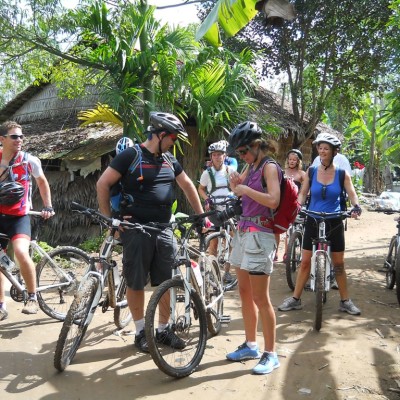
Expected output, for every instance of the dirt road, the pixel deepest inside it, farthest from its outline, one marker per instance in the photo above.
(350, 358)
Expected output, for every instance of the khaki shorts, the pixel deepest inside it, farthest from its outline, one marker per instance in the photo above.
(253, 252)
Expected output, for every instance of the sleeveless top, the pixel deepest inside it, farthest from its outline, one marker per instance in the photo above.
(251, 208)
(325, 198)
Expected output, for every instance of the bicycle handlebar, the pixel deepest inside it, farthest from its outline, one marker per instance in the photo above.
(111, 222)
(321, 214)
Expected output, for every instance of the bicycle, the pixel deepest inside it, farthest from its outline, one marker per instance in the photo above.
(321, 273)
(58, 274)
(223, 233)
(103, 270)
(295, 244)
(190, 303)
(392, 260)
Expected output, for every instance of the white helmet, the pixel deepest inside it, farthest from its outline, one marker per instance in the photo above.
(123, 144)
(217, 146)
(325, 137)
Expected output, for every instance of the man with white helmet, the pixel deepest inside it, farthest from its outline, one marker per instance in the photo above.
(214, 189)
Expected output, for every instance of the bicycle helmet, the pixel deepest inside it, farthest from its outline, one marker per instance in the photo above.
(217, 146)
(160, 120)
(295, 151)
(123, 144)
(243, 134)
(325, 137)
(11, 193)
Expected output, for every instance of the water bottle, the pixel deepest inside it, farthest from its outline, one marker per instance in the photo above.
(6, 261)
(197, 272)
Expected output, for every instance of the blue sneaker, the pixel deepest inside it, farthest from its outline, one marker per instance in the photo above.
(267, 364)
(243, 352)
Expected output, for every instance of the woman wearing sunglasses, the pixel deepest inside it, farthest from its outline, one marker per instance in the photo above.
(325, 190)
(254, 244)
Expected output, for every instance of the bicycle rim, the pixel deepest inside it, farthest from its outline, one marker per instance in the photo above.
(319, 289)
(175, 362)
(213, 290)
(122, 314)
(56, 301)
(390, 264)
(293, 258)
(75, 324)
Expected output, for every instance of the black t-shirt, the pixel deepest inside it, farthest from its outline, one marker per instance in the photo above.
(151, 184)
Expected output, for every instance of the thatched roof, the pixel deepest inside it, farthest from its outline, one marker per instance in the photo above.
(73, 144)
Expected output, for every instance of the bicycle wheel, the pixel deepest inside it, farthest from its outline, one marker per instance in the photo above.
(56, 300)
(213, 290)
(390, 264)
(177, 363)
(122, 313)
(75, 324)
(397, 274)
(293, 258)
(319, 289)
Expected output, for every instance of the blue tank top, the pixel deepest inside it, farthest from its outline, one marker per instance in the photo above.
(325, 198)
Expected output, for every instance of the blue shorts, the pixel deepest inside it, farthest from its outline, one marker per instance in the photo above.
(253, 252)
(144, 255)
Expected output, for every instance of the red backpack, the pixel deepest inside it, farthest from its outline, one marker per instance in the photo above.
(289, 207)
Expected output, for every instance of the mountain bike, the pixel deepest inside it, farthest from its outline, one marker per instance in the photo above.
(321, 263)
(190, 303)
(103, 271)
(294, 248)
(223, 233)
(392, 260)
(58, 273)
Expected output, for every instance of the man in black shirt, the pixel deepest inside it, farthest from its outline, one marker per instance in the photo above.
(148, 177)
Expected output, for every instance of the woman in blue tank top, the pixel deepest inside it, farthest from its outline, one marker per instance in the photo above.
(325, 193)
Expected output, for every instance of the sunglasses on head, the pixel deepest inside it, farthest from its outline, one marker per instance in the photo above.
(243, 152)
(15, 137)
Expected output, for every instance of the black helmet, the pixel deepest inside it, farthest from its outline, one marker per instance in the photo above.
(297, 152)
(243, 134)
(169, 122)
(11, 193)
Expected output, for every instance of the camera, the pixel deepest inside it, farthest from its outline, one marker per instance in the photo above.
(233, 208)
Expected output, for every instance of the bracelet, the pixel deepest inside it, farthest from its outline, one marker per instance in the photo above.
(48, 209)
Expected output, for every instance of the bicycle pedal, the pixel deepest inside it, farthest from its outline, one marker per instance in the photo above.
(225, 319)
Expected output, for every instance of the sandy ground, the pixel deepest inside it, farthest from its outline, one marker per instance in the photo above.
(352, 357)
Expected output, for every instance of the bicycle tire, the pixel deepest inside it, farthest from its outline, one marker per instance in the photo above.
(293, 258)
(397, 274)
(122, 313)
(319, 289)
(390, 264)
(175, 362)
(75, 324)
(56, 301)
(214, 289)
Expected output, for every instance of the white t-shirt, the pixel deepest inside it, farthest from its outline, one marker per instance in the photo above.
(221, 183)
(339, 160)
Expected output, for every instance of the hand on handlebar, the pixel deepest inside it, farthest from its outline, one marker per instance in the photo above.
(356, 211)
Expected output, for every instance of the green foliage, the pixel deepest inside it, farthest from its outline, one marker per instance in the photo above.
(36, 257)
(93, 245)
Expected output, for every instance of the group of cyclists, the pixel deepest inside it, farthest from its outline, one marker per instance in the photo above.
(146, 174)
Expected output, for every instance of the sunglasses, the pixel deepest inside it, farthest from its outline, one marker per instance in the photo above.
(323, 192)
(243, 152)
(173, 137)
(15, 137)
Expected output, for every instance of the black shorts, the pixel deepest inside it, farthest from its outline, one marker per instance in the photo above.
(144, 254)
(14, 227)
(334, 230)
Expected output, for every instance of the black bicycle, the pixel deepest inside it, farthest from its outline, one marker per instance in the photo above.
(104, 271)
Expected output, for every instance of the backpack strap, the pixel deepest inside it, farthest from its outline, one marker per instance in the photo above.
(212, 179)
